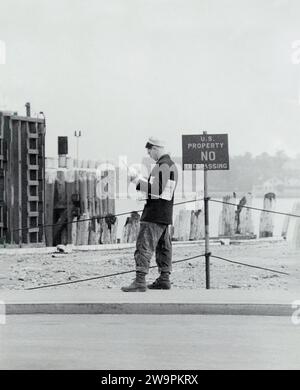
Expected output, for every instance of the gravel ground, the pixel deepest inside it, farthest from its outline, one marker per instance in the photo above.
(21, 271)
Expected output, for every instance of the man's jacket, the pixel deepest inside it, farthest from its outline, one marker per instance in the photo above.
(159, 190)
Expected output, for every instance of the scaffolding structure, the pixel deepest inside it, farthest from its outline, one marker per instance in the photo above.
(22, 179)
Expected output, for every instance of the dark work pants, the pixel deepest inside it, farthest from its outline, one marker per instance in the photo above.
(153, 237)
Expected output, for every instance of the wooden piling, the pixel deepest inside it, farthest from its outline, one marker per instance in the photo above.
(287, 221)
(285, 227)
(91, 183)
(83, 223)
(266, 226)
(70, 191)
(49, 205)
(98, 205)
(131, 228)
(227, 216)
(197, 225)
(109, 224)
(243, 222)
(182, 226)
(60, 209)
(83, 229)
(293, 231)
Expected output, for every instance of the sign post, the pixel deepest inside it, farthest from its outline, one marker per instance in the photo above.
(208, 152)
(206, 223)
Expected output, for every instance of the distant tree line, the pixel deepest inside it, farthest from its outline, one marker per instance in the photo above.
(247, 171)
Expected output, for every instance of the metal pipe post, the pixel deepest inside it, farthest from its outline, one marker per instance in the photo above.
(206, 220)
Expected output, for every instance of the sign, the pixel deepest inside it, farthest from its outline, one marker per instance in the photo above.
(62, 145)
(205, 151)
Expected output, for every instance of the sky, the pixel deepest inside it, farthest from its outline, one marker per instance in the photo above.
(121, 71)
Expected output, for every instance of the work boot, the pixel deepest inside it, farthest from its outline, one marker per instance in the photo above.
(161, 283)
(138, 285)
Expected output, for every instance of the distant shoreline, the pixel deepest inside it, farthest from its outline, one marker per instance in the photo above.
(254, 194)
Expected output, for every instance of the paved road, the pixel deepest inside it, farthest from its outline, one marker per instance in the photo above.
(149, 342)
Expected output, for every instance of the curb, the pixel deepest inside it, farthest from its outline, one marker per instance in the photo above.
(62, 308)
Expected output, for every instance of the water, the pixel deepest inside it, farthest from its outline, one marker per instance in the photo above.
(284, 205)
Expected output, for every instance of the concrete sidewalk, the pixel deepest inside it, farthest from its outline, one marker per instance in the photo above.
(175, 301)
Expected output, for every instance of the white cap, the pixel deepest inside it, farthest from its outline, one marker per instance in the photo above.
(153, 141)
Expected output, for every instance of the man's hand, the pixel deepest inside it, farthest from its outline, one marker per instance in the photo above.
(133, 175)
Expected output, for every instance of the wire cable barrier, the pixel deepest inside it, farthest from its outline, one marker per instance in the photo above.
(108, 276)
(175, 204)
(255, 208)
(98, 217)
(155, 266)
(250, 265)
(151, 267)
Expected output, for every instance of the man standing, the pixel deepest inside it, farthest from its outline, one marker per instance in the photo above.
(157, 216)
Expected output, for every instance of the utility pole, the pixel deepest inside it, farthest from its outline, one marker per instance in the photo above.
(77, 135)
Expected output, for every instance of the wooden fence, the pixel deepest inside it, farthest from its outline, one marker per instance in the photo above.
(82, 192)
